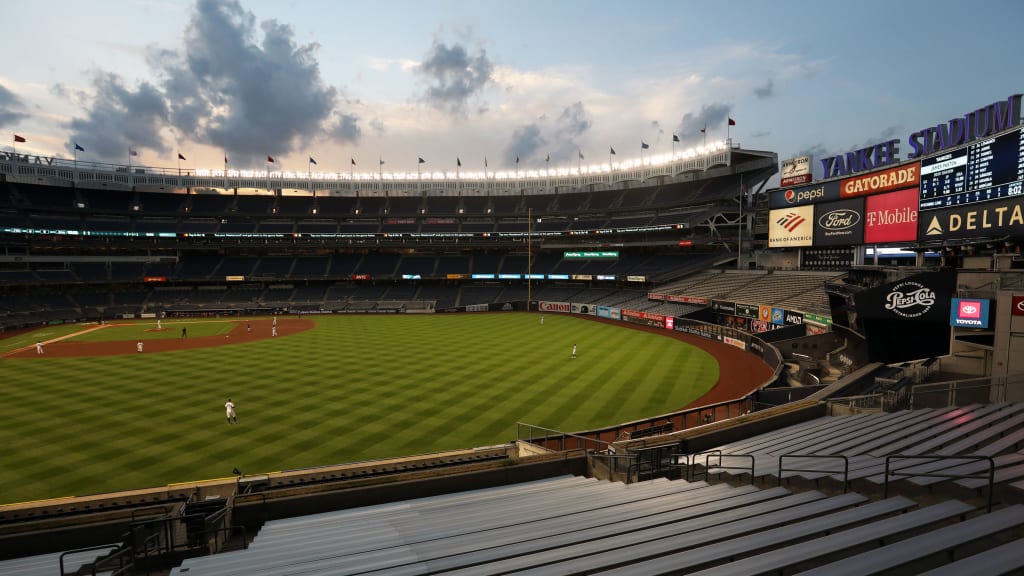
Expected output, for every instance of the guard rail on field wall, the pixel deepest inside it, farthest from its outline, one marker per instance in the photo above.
(682, 420)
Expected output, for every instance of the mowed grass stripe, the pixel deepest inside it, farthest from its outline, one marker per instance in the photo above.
(354, 388)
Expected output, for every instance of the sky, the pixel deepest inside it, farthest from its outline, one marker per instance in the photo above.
(467, 80)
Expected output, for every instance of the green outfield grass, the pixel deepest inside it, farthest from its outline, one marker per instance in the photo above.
(354, 388)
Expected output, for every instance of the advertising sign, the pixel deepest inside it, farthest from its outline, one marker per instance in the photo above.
(994, 218)
(923, 297)
(895, 178)
(746, 310)
(687, 299)
(764, 313)
(969, 312)
(891, 217)
(545, 306)
(723, 307)
(1017, 306)
(584, 309)
(778, 316)
(802, 195)
(791, 227)
(795, 171)
(839, 223)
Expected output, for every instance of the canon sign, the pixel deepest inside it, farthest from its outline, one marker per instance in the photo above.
(910, 299)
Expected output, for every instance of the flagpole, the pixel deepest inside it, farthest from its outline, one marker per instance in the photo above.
(739, 235)
(129, 158)
(225, 171)
(179, 165)
(579, 162)
(14, 146)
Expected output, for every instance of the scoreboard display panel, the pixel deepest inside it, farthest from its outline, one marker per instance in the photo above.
(988, 169)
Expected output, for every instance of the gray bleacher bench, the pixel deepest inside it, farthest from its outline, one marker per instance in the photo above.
(936, 541)
(701, 546)
(1005, 559)
(780, 556)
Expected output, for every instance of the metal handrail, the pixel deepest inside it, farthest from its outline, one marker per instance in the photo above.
(846, 467)
(689, 468)
(990, 476)
(632, 458)
(719, 467)
(109, 547)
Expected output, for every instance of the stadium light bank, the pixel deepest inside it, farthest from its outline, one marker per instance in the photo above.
(468, 175)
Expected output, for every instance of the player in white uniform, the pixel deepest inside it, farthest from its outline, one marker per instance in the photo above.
(138, 347)
(573, 350)
(39, 347)
(273, 330)
(158, 326)
(229, 409)
(541, 319)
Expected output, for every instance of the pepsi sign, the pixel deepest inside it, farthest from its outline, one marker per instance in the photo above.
(801, 195)
(969, 312)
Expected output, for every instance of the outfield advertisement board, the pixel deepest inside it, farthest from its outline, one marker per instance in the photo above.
(545, 306)
(609, 312)
(578, 308)
(803, 195)
(791, 227)
(645, 318)
(839, 223)
(969, 312)
(993, 218)
(891, 217)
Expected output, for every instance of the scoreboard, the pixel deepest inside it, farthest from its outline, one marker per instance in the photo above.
(985, 170)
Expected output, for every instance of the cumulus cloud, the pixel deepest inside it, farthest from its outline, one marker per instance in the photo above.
(559, 138)
(767, 90)
(454, 76)
(711, 116)
(246, 87)
(120, 117)
(10, 106)
(527, 142)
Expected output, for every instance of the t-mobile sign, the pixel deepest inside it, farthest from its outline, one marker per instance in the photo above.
(891, 217)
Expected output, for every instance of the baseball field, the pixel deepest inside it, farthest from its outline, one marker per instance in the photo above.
(91, 414)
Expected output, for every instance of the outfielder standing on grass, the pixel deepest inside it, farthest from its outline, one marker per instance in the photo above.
(229, 409)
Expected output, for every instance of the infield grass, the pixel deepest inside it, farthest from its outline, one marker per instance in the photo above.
(354, 388)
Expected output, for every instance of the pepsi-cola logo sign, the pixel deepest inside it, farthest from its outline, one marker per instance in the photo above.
(910, 299)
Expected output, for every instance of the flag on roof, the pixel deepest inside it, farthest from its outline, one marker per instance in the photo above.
(353, 161)
(485, 161)
(132, 152)
(548, 158)
(644, 145)
(611, 150)
(225, 159)
(180, 157)
(675, 138)
(270, 159)
(731, 122)
(580, 153)
(422, 161)
(311, 160)
(458, 162)
(704, 130)
(19, 138)
(381, 161)
(517, 158)
(79, 148)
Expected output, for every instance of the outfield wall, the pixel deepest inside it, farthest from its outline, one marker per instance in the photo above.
(598, 439)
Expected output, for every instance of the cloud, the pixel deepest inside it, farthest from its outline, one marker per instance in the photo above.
(559, 138)
(346, 129)
(767, 90)
(454, 76)
(526, 142)
(120, 117)
(710, 116)
(243, 87)
(10, 104)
